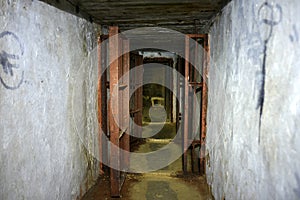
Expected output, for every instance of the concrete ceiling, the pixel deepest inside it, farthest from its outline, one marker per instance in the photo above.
(185, 16)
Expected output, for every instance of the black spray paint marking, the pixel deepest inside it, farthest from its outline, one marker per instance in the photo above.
(7, 66)
(271, 23)
(294, 37)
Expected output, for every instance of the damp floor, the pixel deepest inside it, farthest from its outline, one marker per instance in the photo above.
(166, 183)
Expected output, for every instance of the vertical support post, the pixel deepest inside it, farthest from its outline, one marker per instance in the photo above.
(114, 113)
(138, 97)
(126, 138)
(195, 162)
(178, 92)
(186, 105)
(100, 119)
(204, 104)
(120, 85)
(102, 106)
(170, 91)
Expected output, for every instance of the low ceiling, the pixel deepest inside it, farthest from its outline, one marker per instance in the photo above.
(185, 16)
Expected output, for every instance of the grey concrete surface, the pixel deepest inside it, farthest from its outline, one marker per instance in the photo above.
(253, 153)
(41, 52)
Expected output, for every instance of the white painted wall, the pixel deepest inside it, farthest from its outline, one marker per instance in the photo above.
(41, 155)
(243, 163)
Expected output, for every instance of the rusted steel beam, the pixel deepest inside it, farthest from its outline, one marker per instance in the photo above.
(196, 35)
(102, 106)
(140, 96)
(138, 101)
(204, 103)
(114, 113)
(199, 84)
(178, 92)
(195, 163)
(104, 88)
(186, 106)
(100, 119)
(126, 114)
(122, 122)
(171, 91)
(120, 84)
(191, 123)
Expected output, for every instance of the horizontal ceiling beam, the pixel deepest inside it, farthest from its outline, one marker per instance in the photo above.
(186, 16)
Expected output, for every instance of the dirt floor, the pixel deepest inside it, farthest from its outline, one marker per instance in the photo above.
(153, 186)
(166, 183)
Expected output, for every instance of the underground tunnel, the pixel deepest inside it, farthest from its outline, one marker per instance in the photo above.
(149, 99)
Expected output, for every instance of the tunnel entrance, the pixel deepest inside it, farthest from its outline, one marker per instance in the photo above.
(149, 99)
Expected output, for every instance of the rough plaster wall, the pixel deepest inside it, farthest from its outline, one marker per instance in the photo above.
(41, 155)
(241, 162)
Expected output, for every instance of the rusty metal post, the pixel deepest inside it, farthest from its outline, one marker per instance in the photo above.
(138, 96)
(204, 104)
(102, 106)
(104, 86)
(194, 158)
(170, 91)
(126, 114)
(100, 119)
(113, 127)
(124, 103)
(186, 106)
(178, 92)
(120, 85)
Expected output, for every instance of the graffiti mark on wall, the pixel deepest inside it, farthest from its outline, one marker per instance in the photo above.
(268, 16)
(11, 51)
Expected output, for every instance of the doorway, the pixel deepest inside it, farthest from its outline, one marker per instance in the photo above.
(150, 104)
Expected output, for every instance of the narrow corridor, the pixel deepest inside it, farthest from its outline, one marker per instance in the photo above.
(149, 99)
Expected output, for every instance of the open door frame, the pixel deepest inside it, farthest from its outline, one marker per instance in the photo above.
(119, 138)
(188, 123)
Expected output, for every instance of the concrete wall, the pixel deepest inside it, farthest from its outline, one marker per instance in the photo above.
(247, 160)
(42, 52)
